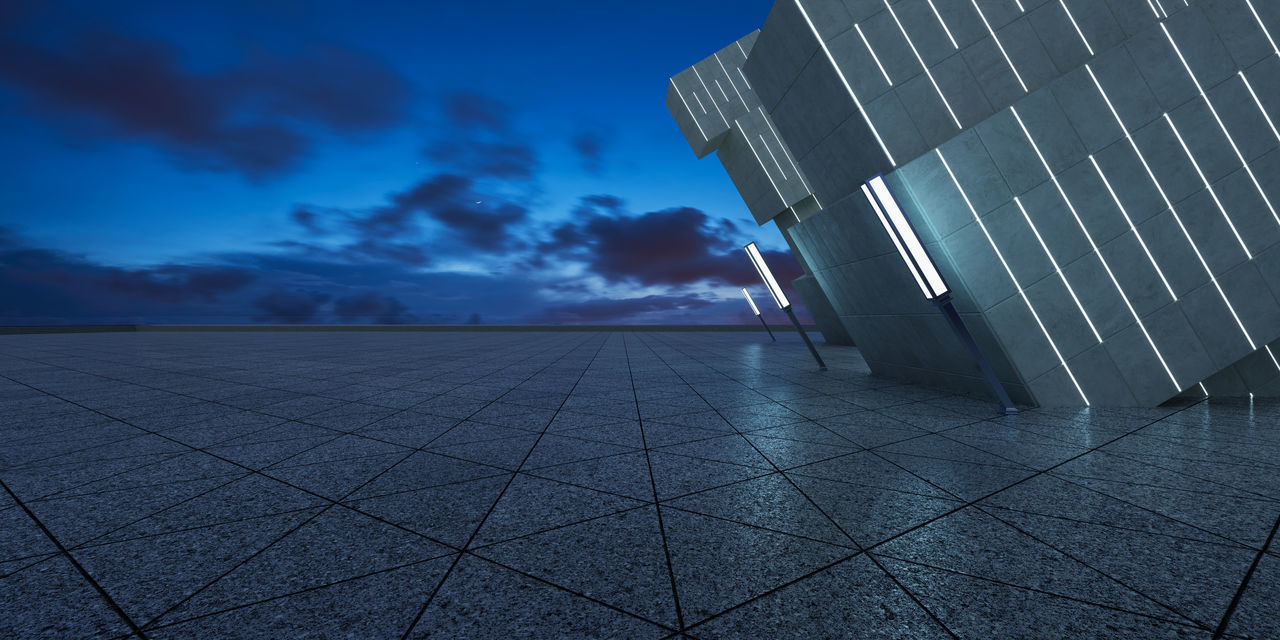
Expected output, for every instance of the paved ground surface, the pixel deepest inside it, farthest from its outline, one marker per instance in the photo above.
(642, 485)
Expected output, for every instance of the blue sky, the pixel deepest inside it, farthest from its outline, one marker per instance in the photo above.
(296, 161)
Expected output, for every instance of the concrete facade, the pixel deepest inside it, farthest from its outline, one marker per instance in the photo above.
(1098, 181)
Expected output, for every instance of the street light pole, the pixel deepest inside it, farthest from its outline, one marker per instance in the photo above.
(927, 276)
(779, 297)
(756, 311)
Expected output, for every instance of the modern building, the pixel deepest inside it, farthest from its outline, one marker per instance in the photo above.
(1097, 181)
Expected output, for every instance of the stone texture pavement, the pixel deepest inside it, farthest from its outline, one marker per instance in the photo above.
(628, 485)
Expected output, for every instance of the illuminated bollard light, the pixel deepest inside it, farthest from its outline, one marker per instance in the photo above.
(757, 312)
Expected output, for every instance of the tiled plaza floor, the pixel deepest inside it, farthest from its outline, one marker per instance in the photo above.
(629, 485)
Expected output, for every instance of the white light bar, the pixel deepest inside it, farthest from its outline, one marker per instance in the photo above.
(1212, 194)
(998, 45)
(750, 301)
(761, 162)
(731, 82)
(709, 96)
(875, 57)
(1063, 4)
(944, 25)
(1258, 102)
(1160, 272)
(847, 87)
(902, 228)
(763, 269)
(924, 288)
(1017, 285)
(1264, 27)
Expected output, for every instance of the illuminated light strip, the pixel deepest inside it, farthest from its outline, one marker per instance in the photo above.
(1057, 269)
(845, 82)
(744, 78)
(1101, 259)
(1263, 25)
(1163, 13)
(919, 257)
(1221, 125)
(902, 251)
(704, 108)
(786, 153)
(1273, 357)
(686, 108)
(1213, 194)
(1019, 3)
(944, 25)
(1204, 390)
(1063, 4)
(875, 57)
(721, 88)
(731, 82)
(1116, 199)
(1172, 210)
(709, 96)
(999, 46)
(775, 158)
(1258, 102)
(1012, 277)
(744, 51)
(762, 167)
(1153, 9)
(923, 66)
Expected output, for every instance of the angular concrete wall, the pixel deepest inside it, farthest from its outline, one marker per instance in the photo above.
(1098, 181)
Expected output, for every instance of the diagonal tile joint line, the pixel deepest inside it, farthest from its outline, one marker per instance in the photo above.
(1235, 600)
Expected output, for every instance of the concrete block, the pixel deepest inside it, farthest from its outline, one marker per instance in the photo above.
(784, 46)
(1211, 232)
(1055, 389)
(976, 171)
(1021, 338)
(832, 171)
(1179, 344)
(927, 110)
(860, 67)
(1253, 301)
(1001, 12)
(1060, 315)
(1098, 294)
(1213, 323)
(891, 47)
(1130, 181)
(997, 80)
(1051, 130)
(1168, 160)
(1267, 169)
(1011, 152)
(896, 128)
(860, 10)
(1173, 253)
(1100, 27)
(1126, 88)
(1253, 219)
(962, 21)
(1226, 383)
(1093, 203)
(1238, 31)
(1049, 212)
(1018, 243)
(1240, 114)
(1086, 110)
(1136, 274)
(1209, 146)
(1141, 369)
(1132, 16)
(1101, 379)
(1028, 53)
(976, 263)
(962, 90)
(936, 205)
(1062, 42)
(1198, 41)
(814, 105)
(830, 17)
(1257, 369)
(1268, 263)
(925, 31)
(1159, 66)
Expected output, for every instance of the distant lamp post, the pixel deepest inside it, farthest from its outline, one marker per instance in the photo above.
(781, 298)
(757, 312)
(927, 277)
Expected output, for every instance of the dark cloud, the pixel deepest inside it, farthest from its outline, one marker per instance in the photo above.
(478, 140)
(475, 110)
(247, 119)
(672, 247)
(590, 146)
(371, 306)
(614, 310)
(292, 307)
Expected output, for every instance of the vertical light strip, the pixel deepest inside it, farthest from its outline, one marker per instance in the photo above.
(875, 57)
(1163, 13)
(731, 82)
(1012, 277)
(1063, 4)
(1057, 269)
(777, 164)
(1153, 9)
(998, 45)
(1263, 25)
(686, 108)
(944, 25)
(744, 78)
(700, 105)
(709, 96)
(1258, 102)
(1093, 245)
(1209, 103)
(786, 152)
(902, 251)
(1169, 205)
(845, 82)
(1204, 390)
(1123, 212)
(759, 160)
(924, 67)
(1213, 194)
(1019, 3)
(721, 88)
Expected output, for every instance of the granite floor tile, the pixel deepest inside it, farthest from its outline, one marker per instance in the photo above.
(53, 600)
(770, 502)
